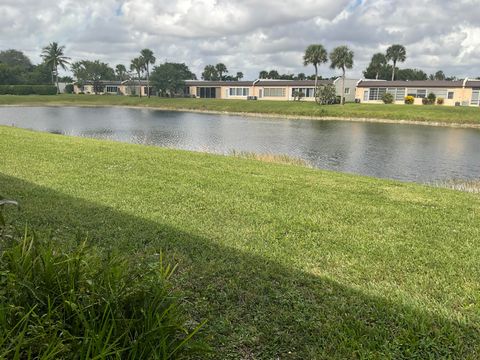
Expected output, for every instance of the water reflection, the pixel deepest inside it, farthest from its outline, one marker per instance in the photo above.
(405, 152)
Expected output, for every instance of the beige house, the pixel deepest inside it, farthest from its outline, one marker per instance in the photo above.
(265, 89)
(128, 87)
(455, 93)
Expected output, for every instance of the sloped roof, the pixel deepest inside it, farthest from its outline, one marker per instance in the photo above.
(299, 83)
(217, 83)
(412, 84)
(473, 83)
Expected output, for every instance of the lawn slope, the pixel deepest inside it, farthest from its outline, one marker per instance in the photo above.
(283, 261)
(422, 114)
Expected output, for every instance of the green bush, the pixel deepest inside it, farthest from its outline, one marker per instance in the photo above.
(431, 98)
(387, 98)
(69, 88)
(28, 90)
(75, 302)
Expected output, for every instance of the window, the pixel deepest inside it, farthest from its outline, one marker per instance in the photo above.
(450, 95)
(439, 93)
(274, 92)
(377, 93)
(347, 91)
(112, 89)
(475, 97)
(239, 91)
(397, 93)
(307, 92)
(417, 93)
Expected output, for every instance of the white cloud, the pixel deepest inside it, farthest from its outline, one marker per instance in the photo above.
(248, 35)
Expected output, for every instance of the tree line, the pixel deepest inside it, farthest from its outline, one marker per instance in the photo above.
(169, 77)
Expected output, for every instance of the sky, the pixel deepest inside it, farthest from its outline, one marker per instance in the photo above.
(249, 35)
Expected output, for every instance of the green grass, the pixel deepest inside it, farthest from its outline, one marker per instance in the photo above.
(282, 261)
(441, 114)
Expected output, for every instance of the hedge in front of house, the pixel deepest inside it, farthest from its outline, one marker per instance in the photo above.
(28, 90)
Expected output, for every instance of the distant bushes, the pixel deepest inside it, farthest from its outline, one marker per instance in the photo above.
(79, 302)
(440, 101)
(28, 90)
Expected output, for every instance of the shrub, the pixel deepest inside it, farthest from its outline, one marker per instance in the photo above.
(409, 100)
(431, 98)
(326, 95)
(387, 98)
(75, 302)
(28, 90)
(425, 101)
(69, 88)
(440, 101)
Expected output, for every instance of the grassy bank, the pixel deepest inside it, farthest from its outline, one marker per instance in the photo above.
(430, 114)
(283, 261)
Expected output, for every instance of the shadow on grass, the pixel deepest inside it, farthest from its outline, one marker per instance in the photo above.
(256, 308)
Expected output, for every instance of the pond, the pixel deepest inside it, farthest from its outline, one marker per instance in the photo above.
(405, 152)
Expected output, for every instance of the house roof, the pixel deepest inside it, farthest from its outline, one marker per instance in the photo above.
(260, 82)
(218, 83)
(135, 82)
(473, 83)
(412, 84)
(102, 82)
(299, 83)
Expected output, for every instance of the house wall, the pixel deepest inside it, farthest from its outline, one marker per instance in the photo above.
(350, 84)
(460, 95)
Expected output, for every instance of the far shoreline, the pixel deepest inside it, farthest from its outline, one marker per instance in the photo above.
(258, 114)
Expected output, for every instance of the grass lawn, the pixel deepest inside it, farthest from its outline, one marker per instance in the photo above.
(283, 261)
(442, 114)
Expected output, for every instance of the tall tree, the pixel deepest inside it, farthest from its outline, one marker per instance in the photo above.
(342, 58)
(301, 76)
(148, 59)
(15, 58)
(137, 66)
(121, 72)
(94, 72)
(439, 75)
(169, 78)
(53, 55)
(221, 69)
(273, 74)
(239, 75)
(315, 55)
(377, 63)
(396, 53)
(263, 74)
(210, 73)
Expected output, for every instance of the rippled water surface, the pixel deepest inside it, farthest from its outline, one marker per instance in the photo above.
(405, 152)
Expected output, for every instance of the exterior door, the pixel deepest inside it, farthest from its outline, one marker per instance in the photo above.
(365, 95)
(260, 93)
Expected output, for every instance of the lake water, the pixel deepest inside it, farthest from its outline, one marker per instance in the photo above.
(404, 152)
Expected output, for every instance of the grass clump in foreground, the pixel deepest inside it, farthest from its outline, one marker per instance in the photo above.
(429, 114)
(282, 261)
(74, 302)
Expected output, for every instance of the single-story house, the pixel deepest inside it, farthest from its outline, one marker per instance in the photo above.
(266, 89)
(107, 87)
(455, 93)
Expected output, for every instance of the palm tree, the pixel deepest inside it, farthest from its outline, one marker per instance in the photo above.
(221, 69)
(342, 58)
(315, 54)
(148, 58)
(54, 57)
(121, 71)
(137, 66)
(239, 75)
(377, 63)
(396, 53)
